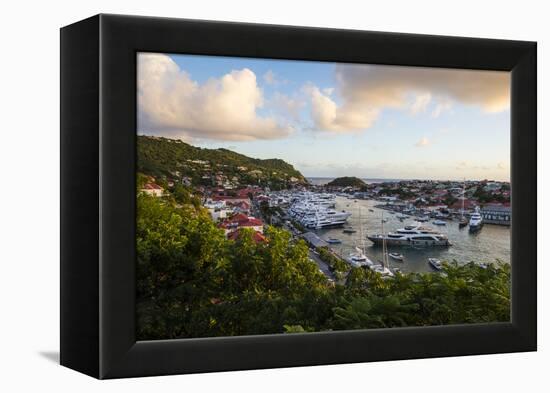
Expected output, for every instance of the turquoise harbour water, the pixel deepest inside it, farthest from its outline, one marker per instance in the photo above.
(487, 245)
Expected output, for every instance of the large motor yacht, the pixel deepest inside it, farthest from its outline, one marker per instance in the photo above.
(317, 211)
(324, 218)
(476, 221)
(412, 235)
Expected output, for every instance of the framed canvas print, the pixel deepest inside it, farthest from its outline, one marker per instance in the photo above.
(240, 196)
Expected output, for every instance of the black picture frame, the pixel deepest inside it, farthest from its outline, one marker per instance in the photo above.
(98, 139)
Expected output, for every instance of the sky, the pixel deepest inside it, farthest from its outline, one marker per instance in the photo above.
(333, 119)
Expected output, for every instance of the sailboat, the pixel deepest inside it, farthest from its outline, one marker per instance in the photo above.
(358, 258)
(383, 269)
(463, 221)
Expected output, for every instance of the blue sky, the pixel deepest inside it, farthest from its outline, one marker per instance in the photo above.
(330, 119)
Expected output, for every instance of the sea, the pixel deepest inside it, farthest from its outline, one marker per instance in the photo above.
(491, 243)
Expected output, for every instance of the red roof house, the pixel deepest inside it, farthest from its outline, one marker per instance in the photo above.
(257, 236)
(152, 189)
(242, 221)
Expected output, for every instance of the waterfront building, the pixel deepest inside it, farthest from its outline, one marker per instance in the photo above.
(496, 213)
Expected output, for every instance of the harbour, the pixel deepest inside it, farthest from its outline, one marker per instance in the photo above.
(488, 245)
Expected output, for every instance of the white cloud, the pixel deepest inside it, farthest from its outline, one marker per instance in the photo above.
(366, 90)
(288, 108)
(423, 142)
(420, 103)
(443, 106)
(172, 104)
(328, 116)
(269, 77)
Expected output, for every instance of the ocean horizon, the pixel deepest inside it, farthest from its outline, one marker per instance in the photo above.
(319, 181)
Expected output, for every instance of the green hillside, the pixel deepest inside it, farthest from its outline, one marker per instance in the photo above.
(173, 159)
(346, 182)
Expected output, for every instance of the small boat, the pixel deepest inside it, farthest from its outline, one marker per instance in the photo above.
(371, 210)
(384, 220)
(349, 230)
(435, 263)
(333, 240)
(439, 222)
(463, 222)
(401, 216)
(422, 219)
(396, 256)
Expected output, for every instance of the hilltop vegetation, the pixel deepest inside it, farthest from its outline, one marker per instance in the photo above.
(173, 159)
(347, 181)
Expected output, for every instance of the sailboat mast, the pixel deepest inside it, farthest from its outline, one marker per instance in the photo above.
(463, 196)
(383, 243)
(361, 231)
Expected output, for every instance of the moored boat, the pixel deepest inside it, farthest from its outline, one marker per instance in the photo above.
(439, 222)
(476, 221)
(333, 240)
(359, 259)
(396, 256)
(383, 270)
(435, 263)
(412, 235)
(463, 221)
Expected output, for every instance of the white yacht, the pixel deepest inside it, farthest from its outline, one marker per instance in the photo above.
(384, 267)
(412, 235)
(435, 263)
(383, 270)
(319, 219)
(359, 259)
(476, 221)
(315, 210)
